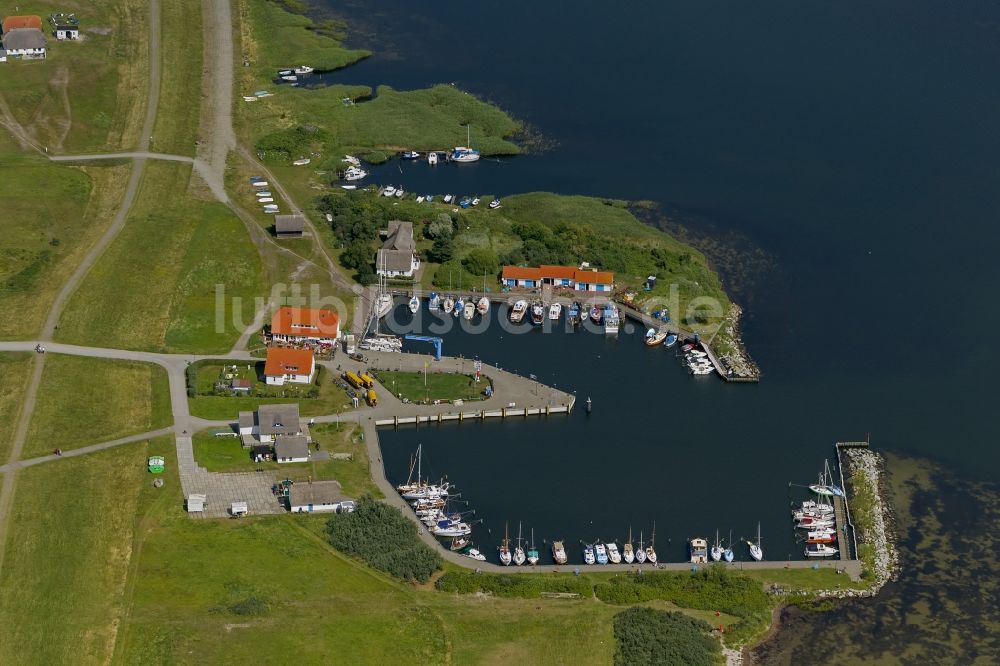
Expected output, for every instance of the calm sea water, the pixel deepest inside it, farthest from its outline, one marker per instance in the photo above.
(855, 144)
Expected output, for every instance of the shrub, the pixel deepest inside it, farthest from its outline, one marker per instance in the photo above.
(384, 538)
(481, 262)
(251, 606)
(513, 585)
(650, 636)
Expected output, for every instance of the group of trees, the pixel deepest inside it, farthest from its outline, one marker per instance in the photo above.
(356, 223)
(649, 636)
(441, 231)
(384, 538)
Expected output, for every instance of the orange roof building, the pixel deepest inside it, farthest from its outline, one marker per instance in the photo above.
(297, 366)
(558, 276)
(17, 22)
(305, 325)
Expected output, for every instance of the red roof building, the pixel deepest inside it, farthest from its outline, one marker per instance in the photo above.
(17, 22)
(289, 365)
(305, 324)
(558, 276)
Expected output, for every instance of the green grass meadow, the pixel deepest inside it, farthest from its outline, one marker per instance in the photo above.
(15, 369)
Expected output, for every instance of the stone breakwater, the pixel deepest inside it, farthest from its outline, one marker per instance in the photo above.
(867, 470)
(736, 355)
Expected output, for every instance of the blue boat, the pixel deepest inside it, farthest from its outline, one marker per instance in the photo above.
(574, 311)
(670, 341)
(434, 302)
(465, 203)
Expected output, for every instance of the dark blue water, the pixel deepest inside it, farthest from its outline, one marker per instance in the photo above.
(854, 143)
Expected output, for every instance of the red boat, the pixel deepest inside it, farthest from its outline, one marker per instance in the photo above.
(821, 538)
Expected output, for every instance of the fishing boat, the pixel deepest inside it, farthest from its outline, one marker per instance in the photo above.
(302, 162)
(448, 305)
(613, 554)
(519, 557)
(505, 557)
(698, 549)
(517, 312)
(651, 548)
(537, 314)
(483, 306)
(728, 555)
(463, 154)
(670, 340)
(558, 552)
(383, 305)
(432, 157)
(494, 204)
(459, 307)
(414, 304)
(654, 337)
(469, 310)
(409, 155)
(475, 554)
(532, 552)
(434, 302)
(627, 553)
(389, 191)
(716, 551)
(820, 550)
(756, 552)
(555, 311)
(588, 554)
(640, 552)
(303, 69)
(596, 314)
(601, 553)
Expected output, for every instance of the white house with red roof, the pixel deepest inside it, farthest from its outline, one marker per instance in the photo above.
(298, 325)
(295, 366)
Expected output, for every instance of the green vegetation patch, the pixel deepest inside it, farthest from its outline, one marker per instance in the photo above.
(15, 369)
(711, 588)
(420, 387)
(68, 552)
(84, 401)
(164, 273)
(177, 118)
(210, 400)
(385, 539)
(650, 636)
(522, 586)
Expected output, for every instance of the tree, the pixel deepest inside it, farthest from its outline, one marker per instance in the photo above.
(357, 256)
(481, 262)
(442, 226)
(442, 251)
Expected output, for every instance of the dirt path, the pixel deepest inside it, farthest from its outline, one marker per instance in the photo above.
(8, 121)
(216, 134)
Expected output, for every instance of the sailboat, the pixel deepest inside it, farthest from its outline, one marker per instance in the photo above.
(464, 154)
(825, 486)
(756, 552)
(448, 305)
(558, 552)
(627, 552)
(650, 549)
(519, 556)
(716, 551)
(505, 558)
(532, 552)
(728, 553)
(483, 306)
(459, 307)
(640, 553)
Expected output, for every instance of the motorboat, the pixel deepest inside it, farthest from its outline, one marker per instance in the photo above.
(701, 370)
(627, 553)
(289, 77)
(483, 306)
(389, 191)
(670, 340)
(611, 320)
(588, 554)
(348, 187)
(756, 552)
(813, 523)
(820, 550)
(265, 200)
(434, 302)
(818, 507)
(573, 313)
(698, 548)
(475, 201)
(409, 155)
(494, 204)
(448, 305)
(263, 193)
(821, 536)
(284, 72)
(475, 554)
(449, 528)
(400, 193)
(716, 551)
(420, 199)
(558, 552)
(432, 157)
(601, 553)
(613, 554)
(517, 312)
(303, 69)
(448, 198)
(555, 311)
(537, 314)
(302, 162)
(459, 307)
(465, 202)
(596, 314)
(414, 305)
(469, 311)
(352, 160)
(383, 305)
(532, 552)
(654, 337)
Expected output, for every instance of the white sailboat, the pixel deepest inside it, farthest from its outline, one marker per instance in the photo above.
(519, 557)
(464, 154)
(627, 553)
(756, 552)
(483, 306)
(414, 304)
(640, 552)
(716, 551)
(505, 557)
(728, 553)
(650, 549)
(532, 552)
(448, 305)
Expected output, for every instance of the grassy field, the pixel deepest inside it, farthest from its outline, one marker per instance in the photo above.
(439, 386)
(15, 368)
(69, 102)
(329, 399)
(83, 401)
(162, 272)
(69, 550)
(176, 128)
(226, 454)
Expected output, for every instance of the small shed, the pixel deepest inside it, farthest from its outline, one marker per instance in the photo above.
(196, 503)
(240, 385)
(315, 497)
(239, 509)
(291, 449)
(289, 226)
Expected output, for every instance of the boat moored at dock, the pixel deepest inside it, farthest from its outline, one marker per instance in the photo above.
(518, 310)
